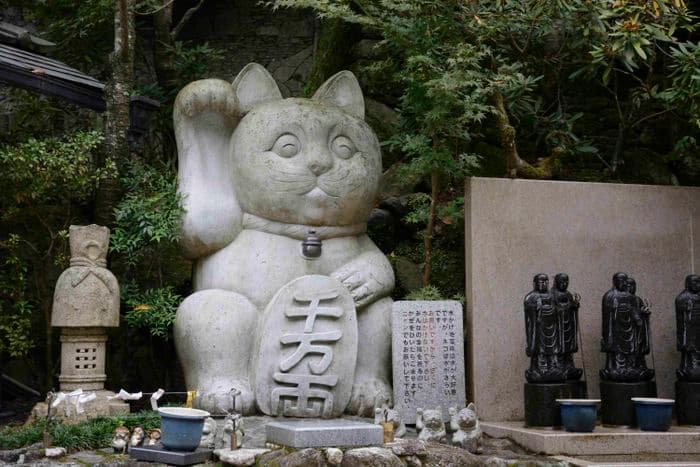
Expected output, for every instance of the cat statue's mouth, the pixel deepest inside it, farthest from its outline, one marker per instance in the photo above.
(318, 193)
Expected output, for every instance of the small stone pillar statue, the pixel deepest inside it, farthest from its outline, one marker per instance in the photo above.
(551, 318)
(688, 343)
(86, 301)
(626, 340)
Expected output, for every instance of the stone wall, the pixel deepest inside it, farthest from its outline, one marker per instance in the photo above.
(246, 31)
(517, 228)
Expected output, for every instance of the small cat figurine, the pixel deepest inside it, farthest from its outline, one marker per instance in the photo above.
(154, 436)
(120, 440)
(386, 414)
(257, 173)
(430, 425)
(137, 437)
(465, 425)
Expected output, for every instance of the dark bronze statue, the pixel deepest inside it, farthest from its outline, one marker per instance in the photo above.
(567, 305)
(688, 329)
(550, 326)
(626, 337)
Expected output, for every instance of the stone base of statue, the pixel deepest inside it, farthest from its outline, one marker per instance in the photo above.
(541, 408)
(688, 403)
(102, 406)
(617, 408)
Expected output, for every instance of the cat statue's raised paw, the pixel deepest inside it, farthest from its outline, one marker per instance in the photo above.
(291, 304)
(465, 427)
(430, 425)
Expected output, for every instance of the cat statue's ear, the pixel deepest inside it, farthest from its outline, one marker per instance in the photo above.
(205, 114)
(343, 90)
(254, 85)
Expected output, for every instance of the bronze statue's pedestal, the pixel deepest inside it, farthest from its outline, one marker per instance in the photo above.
(688, 403)
(541, 408)
(617, 408)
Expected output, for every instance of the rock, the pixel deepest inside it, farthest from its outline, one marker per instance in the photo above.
(370, 457)
(412, 461)
(408, 447)
(367, 48)
(284, 70)
(441, 454)
(271, 458)
(55, 452)
(239, 457)
(380, 216)
(334, 456)
(397, 205)
(303, 458)
(408, 274)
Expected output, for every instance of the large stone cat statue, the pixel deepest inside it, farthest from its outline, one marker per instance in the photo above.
(258, 172)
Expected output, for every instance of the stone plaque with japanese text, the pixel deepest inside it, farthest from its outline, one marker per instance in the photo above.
(428, 357)
(306, 361)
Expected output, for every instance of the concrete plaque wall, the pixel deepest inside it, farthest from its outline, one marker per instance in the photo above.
(517, 228)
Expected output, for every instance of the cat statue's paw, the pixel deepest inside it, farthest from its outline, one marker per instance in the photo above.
(367, 395)
(219, 403)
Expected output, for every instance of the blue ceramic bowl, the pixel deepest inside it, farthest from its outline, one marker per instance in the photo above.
(181, 428)
(579, 415)
(653, 414)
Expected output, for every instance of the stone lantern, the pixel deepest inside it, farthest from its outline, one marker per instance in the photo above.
(85, 304)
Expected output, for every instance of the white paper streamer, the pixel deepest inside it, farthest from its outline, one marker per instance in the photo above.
(125, 396)
(154, 398)
(83, 399)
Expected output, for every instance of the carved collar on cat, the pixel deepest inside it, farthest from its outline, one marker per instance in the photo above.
(300, 232)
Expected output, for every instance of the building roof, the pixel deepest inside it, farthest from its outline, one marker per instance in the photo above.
(32, 71)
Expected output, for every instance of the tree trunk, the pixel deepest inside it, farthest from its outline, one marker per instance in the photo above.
(117, 98)
(515, 166)
(428, 239)
(332, 53)
(164, 46)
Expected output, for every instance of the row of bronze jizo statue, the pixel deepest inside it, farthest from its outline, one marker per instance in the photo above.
(551, 324)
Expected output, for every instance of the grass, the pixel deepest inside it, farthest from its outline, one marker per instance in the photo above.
(93, 434)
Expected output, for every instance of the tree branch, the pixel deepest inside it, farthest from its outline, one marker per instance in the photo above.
(185, 19)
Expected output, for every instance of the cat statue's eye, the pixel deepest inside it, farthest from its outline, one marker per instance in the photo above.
(343, 147)
(287, 145)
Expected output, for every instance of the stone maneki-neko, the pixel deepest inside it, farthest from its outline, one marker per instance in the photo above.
(277, 193)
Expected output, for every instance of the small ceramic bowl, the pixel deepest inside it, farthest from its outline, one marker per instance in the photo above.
(653, 414)
(181, 427)
(579, 415)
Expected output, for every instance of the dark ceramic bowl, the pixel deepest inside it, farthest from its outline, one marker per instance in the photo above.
(181, 428)
(653, 414)
(579, 415)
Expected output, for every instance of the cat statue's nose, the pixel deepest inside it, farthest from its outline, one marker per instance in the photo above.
(319, 162)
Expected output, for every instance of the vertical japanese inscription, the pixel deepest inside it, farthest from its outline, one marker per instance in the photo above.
(309, 395)
(428, 354)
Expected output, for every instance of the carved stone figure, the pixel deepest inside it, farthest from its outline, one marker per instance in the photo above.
(626, 338)
(465, 425)
(385, 414)
(688, 329)
(120, 439)
(430, 425)
(86, 301)
(210, 434)
(137, 437)
(276, 191)
(543, 334)
(154, 436)
(567, 305)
